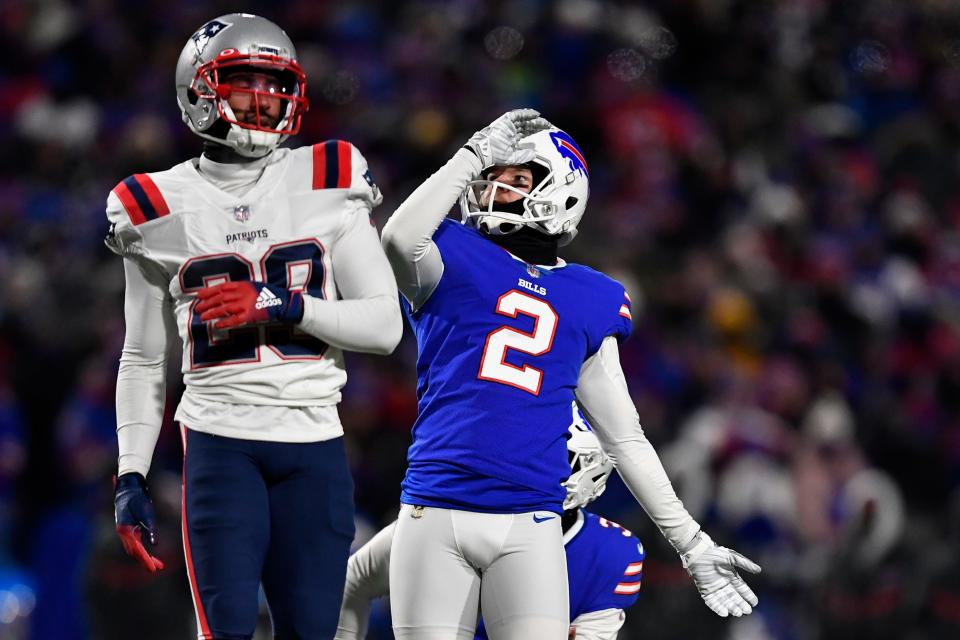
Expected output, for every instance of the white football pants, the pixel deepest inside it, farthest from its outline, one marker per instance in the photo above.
(447, 564)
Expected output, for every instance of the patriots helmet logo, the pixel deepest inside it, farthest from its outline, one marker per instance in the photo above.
(568, 149)
(203, 35)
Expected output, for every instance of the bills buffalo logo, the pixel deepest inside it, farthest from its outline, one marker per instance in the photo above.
(569, 150)
(203, 35)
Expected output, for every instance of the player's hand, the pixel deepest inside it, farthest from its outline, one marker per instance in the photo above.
(715, 571)
(136, 522)
(499, 143)
(235, 304)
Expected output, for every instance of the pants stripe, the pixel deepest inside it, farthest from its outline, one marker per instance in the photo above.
(203, 629)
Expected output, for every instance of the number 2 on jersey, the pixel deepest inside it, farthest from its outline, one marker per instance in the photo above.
(493, 365)
(293, 264)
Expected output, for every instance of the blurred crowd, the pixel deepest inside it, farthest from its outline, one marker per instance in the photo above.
(775, 182)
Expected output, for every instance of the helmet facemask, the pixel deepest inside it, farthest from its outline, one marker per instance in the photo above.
(499, 218)
(554, 204)
(589, 466)
(212, 82)
(230, 44)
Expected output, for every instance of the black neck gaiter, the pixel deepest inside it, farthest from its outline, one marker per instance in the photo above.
(530, 245)
(223, 154)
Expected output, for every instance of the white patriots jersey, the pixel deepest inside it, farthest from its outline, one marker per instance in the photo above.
(280, 232)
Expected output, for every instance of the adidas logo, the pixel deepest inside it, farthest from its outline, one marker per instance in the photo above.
(267, 299)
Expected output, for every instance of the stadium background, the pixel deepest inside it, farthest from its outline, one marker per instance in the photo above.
(775, 182)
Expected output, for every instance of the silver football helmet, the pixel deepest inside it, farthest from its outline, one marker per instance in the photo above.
(556, 201)
(589, 465)
(234, 43)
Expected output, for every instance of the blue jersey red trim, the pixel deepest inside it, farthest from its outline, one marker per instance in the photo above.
(501, 344)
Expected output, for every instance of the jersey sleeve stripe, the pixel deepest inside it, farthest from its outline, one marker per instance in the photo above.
(634, 568)
(141, 207)
(625, 312)
(129, 203)
(319, 166)
(627, 588)
(332, 163)
(344, 163)
(149, 187)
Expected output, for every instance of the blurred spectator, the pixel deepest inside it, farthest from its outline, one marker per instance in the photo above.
(777, 182)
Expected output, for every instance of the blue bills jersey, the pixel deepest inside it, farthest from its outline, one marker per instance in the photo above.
(604, 567)
(501, 344)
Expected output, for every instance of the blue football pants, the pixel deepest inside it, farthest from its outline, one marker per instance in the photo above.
(275, 513)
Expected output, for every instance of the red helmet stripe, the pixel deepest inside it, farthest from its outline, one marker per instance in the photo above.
(575, 152)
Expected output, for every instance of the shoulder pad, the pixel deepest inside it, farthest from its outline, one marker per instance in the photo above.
(141, 198)
(332, 165)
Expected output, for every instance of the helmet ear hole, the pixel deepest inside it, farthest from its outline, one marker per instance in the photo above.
(571, 203)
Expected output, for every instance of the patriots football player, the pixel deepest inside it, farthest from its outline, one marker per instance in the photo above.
(604, 561)
(508, 335)
(265, 263)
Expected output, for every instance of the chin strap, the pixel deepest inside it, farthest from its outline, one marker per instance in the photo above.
(248, 143)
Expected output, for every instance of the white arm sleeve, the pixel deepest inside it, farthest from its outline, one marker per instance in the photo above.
(368, 577)
(368, 317)
(407, 234)
(605, 401)
(141, 381)
(599, 625)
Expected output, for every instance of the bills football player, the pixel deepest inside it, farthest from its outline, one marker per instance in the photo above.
(604, 561)
(508, 335)
(265, 262)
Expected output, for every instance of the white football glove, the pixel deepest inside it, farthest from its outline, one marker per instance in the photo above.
(714, 571)
(499, 143)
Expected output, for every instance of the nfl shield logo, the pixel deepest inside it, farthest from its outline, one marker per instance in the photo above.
(533, 271)
(241, 213)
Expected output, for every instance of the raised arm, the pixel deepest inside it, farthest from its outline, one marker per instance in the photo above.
(605, 401)
(414, 257)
